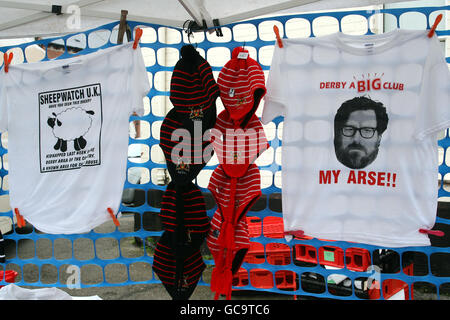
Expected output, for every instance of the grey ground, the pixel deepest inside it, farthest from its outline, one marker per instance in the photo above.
(105, 248)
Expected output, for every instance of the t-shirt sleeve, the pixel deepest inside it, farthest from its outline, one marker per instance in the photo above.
(139, 85)
(274, 100)
(434, 102)
(3, 105)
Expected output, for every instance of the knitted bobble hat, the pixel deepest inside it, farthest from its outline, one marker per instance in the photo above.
(242, 86)
(179, 272)
(185, 212)
(185, 150)
(177, 260)
(237, 148)
(193, 90)
(228, 238)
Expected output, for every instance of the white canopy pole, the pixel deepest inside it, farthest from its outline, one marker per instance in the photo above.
(45, 11)
(195, 15)
(131, 17)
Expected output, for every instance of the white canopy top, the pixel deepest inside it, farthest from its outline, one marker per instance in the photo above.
(29, 18)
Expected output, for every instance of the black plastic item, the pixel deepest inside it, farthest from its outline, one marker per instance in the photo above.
(387, 260)
(193, 26)
(443, 210)
(218, 29)
(2, 248)
(57, 9)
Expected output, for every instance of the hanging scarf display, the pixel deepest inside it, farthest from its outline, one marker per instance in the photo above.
(177, 260)
(193, 92)
(238, 139)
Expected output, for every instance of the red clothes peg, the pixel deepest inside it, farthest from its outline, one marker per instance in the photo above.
(20, 219)
(434, 26)
(137, 37)
(7, 60)
(298, 233)
(111, 213)
(437, 233)
(277, 34)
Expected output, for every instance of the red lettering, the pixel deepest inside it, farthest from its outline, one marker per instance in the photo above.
(361, 86)
(400, 87)
(324, 177)
(336, 175)
(322, 85)
(351, 177)
(372, 178)
(376, 84)
(380, 178)
(362, 177)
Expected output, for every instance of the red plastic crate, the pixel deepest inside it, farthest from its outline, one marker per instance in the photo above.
(305, 253)
(331, 256)
(10, 276)
(240, 279)
(286, 280)
(273, 227)
(255, 253)
(357, 259)
(261, 278)
(278, 254)
(254, 226)
(390, 287)
(393, 287)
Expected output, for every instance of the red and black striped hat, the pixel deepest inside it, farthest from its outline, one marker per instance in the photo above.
(193, 90)
(194, 219)
(185, 150)
(179, 270)
(177, 259)
(228, 238)
(242, 86)
(237, 148)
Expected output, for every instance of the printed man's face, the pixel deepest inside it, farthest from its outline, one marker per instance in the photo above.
(359, 140)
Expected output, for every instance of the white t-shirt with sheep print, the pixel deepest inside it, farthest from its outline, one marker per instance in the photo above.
(67, 122)
(359, 146)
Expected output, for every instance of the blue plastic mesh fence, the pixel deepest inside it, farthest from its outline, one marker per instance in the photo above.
(304, 267)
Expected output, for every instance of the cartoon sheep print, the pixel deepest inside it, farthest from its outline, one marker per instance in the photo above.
(71, 124)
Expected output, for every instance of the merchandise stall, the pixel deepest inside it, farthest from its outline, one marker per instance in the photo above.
(307, 218)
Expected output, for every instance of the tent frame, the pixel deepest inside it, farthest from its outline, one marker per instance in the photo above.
(199, 14)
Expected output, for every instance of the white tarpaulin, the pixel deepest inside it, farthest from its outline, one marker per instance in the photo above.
(27, 18)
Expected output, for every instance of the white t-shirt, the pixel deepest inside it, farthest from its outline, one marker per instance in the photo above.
(67, 123)
(371, 186)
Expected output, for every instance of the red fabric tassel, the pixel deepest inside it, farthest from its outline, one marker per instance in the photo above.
(222, 277)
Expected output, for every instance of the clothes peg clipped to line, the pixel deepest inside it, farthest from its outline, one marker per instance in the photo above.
(111, 213)
(20, 219)
(437, 233)
(7, 60)
(297, 233)
(137, 37)
(434, 26)
(123, 27)
(277, 34)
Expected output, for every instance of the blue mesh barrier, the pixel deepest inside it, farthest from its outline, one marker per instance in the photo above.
(302, 267)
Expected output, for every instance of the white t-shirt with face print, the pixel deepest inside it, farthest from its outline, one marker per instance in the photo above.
(359, 143)
(67, 123)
